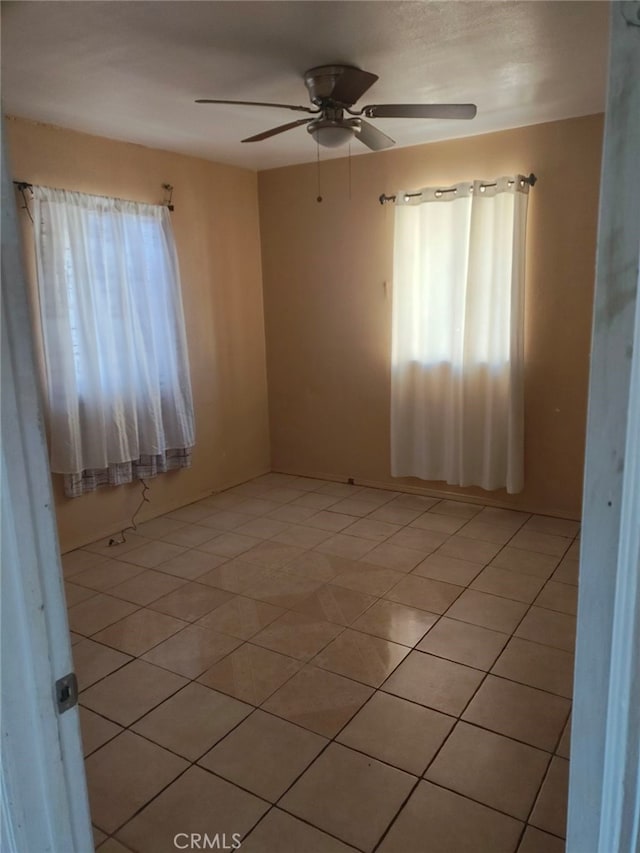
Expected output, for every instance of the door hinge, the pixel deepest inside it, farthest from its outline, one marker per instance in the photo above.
(66, 692)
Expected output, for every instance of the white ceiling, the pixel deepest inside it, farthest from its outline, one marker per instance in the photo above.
(131, 70)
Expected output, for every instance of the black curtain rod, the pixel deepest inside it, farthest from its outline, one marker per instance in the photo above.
(21, 186)
(531, 180)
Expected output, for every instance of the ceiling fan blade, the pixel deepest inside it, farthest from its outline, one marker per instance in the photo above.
(351, 85)
(373, 138)
(275, 130)
(420, 111)
(257, 104)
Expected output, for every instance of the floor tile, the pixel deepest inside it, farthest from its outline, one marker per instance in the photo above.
(439, 684)
(112, 548)
(191, 601)
(416, 539)
(292, 513)
(437, 522)
(282, 589)
(490, 611)
(543, 543)
(550, 810)
(256, 506)
(230, 544)
(365, 577)
(92, 661)
(189, 535)
(250, 673)
(549, 628)
(567, 572)
(272, 554)
(518, 711)
(332, 522)
(536, 841)
(451, 823)
(349, 795)
(97, 612)
(473, 550)
(506, 517)
(525, 562)
(353, 507)
(191, 651)
(459, 509)
(424, 593)
(318, 700)
(78, 561)
(361, 657)
(280, 832)
(197, 802)
(448, 569)
(316, 501)
(564, 746)
(346, 546)
(376, 496)
(192, 720)
(395, 514)
(508, 584)
(395, 622)
(95, 730)
(482, 530)
(554, 526)
(106, 574)
(421, 502)
(139, 632)
(562, 597)
(339, 490)
(538, 666)
(491, 769)
(152, 554)
(302, 536)
(74, 594)
(191, 564)
(241, 617)
(464, 643)
(394, 557)
(262, 527)
(297, 635)
(157, 528)
(335, 604)
(191, 514)
(223, 519)
(370, 528)
(398, 732)
(124, 774)
(146, 587)
(112, 845)
(317, 566)
(132, 691)
(264, 754)
(284, 494)
(234, 576)
(98, 836)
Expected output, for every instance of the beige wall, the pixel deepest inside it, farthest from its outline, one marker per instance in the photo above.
(327, 310)
(217, 234)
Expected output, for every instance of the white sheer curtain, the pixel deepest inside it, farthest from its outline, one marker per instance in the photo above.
(457, 409)
(117, 371)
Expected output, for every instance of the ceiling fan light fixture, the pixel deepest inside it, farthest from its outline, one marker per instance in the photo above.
(332, 133)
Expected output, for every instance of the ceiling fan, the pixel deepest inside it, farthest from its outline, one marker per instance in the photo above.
(333, 90)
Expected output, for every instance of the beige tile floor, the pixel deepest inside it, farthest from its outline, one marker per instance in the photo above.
(321, 668)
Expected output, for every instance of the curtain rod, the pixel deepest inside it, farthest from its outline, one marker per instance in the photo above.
(531, 180)
(21, 186)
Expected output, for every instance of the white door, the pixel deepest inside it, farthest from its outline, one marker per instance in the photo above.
(604, 789)
(43, 788)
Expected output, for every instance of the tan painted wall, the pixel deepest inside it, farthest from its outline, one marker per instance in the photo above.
(217, 234)
(327, 311)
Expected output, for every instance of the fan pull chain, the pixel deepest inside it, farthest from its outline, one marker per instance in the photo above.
(319, 196)
(349, 157)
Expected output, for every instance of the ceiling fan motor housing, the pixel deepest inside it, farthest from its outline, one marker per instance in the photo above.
(321, 81)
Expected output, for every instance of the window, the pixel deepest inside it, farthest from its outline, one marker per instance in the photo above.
(118, 386)
(457, 351)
